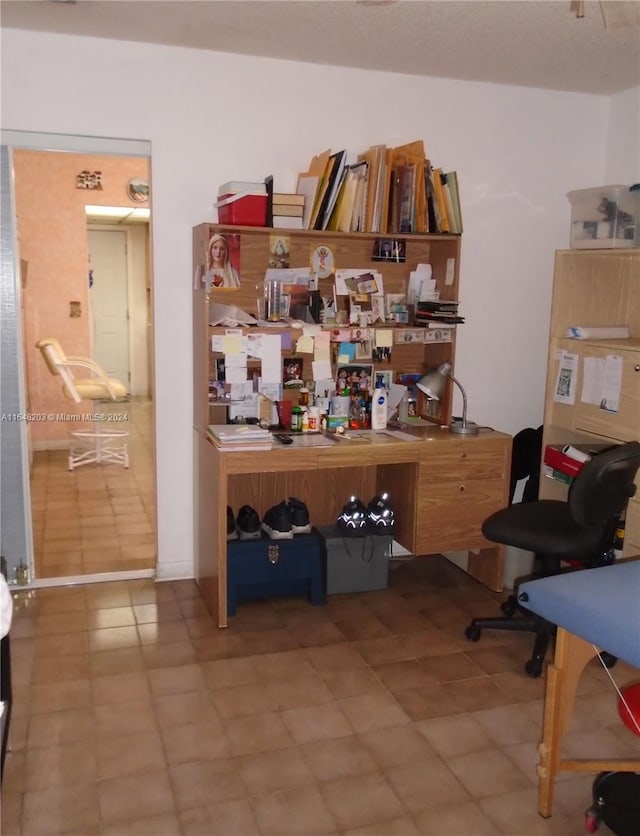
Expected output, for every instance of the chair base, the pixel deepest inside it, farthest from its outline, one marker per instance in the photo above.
(101, 450)
(529, 622)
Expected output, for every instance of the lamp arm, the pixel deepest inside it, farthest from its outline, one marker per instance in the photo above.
(464, 401)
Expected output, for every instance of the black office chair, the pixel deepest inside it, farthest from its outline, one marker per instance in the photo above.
(578, 532)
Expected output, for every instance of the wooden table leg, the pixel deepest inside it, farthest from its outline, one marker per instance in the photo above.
(572, 654)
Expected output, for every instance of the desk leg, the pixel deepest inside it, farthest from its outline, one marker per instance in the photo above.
(572, 654)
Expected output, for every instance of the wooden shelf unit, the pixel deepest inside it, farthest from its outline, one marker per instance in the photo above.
(350, 250)
(595, 288)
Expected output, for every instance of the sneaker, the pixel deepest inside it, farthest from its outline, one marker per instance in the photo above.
(232, 534)
(248, 523)
(277, 523)
(352, 522)
(380, 515)
(299, 514)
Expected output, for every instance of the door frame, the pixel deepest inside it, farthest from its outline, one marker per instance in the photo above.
(76, 144)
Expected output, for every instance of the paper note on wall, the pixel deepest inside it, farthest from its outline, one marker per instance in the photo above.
(566, 379)
(602, 382)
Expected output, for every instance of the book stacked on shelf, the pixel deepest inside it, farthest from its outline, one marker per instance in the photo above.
(245, 437)
(387, 190)
(437, 312)
(288, 210)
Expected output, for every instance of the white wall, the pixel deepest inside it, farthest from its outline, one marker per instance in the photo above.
(213, 117)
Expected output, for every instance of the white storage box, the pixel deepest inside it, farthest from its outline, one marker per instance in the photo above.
(603, 218)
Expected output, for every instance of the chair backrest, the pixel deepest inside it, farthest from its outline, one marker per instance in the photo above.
(56, 361)
(602, 488)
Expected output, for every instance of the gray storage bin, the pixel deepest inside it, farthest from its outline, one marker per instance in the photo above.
(355, 564)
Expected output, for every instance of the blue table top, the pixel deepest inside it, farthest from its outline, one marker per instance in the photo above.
(600, 605)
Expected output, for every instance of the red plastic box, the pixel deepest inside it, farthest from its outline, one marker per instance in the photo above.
(242, 209)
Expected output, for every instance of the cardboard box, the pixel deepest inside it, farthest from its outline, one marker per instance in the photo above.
(603, 218)
(355, 564)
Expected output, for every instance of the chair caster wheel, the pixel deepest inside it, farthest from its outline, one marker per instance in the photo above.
(509, 607)
(607, 659)
(591, 820)
(473, 633)
(533, 668)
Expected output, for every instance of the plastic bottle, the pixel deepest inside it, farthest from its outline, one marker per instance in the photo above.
(304, 424)
(296, 419)
(379, 408)
(403, 409)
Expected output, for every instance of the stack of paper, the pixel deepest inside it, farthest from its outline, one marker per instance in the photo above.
(241, 436)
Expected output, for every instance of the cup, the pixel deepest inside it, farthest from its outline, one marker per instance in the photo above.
(273, 296)
(285, 304)
(284, 413)
(261, 304)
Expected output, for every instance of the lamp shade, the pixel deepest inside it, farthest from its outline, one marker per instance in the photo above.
(433, 383)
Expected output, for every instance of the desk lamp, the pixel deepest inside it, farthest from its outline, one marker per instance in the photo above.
(433, 383)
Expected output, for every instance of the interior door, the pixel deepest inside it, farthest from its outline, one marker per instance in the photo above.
(110, 300)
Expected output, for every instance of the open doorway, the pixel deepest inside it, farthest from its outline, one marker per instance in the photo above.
(97, 521)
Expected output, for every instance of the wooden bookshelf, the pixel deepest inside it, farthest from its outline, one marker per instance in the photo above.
(350, 250)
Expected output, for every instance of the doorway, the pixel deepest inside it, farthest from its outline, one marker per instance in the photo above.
(97, 522)
(109, 300)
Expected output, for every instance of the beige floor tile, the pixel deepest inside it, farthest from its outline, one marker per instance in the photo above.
(224, 819)
(120, 688)
(58, 766)
(293, 811)
(338, 758)
(72, 808)
(198, 783)
(422, 784)
(184, 708)
(265, 772)
(398, 676)
(129, 753)
(452, 736)
(372, 711)
(396, 745)
(317, 722)
(117, 719)
(425, 703)
(243, 701)
(465, 818)
(139, 795)
(403, 826)
(259, 733)
(166, 824)
(204, 741)
(363, 799)
(300, 691)
(487, 772)
(508, 724)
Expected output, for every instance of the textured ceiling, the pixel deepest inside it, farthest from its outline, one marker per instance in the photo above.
(533, 43)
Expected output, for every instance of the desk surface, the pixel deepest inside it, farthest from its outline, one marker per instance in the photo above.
(601, 606)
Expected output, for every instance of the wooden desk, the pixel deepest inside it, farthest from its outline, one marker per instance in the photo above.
(595, 609)
(442, 487)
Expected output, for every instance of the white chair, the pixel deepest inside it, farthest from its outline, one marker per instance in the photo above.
(102, 444)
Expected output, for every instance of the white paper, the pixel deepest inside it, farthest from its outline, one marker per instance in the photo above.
(235, 374)
(321, 370)
(271, 359)
(603, 382)
(566, 379)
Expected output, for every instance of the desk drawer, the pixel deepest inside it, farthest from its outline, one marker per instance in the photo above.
(450, 514)
(463, 461)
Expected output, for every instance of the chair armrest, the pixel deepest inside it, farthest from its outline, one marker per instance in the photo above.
(88, 363)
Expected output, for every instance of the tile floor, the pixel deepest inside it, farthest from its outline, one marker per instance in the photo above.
(134, 715)
(96, 518)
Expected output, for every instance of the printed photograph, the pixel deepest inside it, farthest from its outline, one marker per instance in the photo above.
(389, 249)
(292, 373)
(355, 376)
(279, 252)
(223, 261)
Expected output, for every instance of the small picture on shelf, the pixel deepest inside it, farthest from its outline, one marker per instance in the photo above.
(223, 262)
(389, 249)
(383, 379)
(279, 252)
(355, 377)
(410, 381)
(292, 373)
(364, 349)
